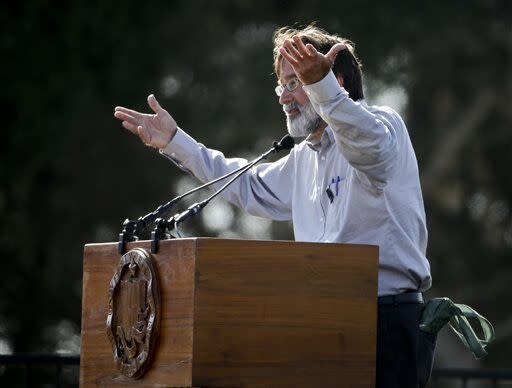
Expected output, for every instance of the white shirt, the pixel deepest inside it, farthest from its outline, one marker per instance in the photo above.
(366, 160)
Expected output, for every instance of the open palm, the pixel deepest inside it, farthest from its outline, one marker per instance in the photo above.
(155, 130)
(309, 65)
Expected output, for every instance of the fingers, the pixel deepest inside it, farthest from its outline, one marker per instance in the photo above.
(144, 135)
(130, 112)
(121, 115)
(288, 57)
(300, 46)
(153, 104)
(132, 121)
(138, 130)
(292, 49)
(295, 50)
(311, 49)
(129, 122)
(131, 127)
(331, 55)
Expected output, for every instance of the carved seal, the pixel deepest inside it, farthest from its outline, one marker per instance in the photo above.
(133, 316)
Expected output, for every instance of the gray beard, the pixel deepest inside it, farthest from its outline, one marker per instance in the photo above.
(305, 123)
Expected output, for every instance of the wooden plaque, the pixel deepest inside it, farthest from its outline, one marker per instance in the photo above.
(133, 317)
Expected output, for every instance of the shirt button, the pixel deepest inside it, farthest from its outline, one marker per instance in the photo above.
(173, 155)
(321, 219)
(323, 158)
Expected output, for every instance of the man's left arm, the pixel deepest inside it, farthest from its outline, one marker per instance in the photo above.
(368, 140)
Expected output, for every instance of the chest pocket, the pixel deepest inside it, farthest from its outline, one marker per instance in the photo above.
(335, 191)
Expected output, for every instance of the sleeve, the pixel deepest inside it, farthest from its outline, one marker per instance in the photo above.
(265, 190)
(367, 140)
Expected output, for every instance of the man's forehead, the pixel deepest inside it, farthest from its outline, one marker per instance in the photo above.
(287, 71)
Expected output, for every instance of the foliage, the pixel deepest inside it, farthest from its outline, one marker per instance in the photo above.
(70, 174)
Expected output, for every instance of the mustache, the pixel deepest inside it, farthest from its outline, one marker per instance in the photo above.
(291, 106)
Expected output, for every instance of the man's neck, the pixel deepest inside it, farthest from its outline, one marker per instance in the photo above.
(316, 136)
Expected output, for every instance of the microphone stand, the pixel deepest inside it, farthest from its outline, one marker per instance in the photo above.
(132, 228)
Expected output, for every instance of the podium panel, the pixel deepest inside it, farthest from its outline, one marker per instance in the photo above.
(239, 313)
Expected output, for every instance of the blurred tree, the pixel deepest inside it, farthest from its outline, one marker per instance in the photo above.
(70, 174)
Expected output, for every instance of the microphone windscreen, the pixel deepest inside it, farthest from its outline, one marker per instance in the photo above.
(286, 143)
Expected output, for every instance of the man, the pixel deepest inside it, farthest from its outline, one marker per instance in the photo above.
(353, 180)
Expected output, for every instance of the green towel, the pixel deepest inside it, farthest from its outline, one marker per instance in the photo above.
(440, 311)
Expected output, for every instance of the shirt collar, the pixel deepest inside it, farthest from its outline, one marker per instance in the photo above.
(325, 141)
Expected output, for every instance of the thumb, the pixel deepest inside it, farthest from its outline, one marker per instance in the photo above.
(331, 55)
(153, 104)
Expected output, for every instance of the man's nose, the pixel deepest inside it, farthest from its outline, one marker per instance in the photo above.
(286, 97)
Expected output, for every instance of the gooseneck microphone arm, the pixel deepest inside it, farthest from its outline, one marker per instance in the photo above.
(149, 218)
(286, 142)
(198, 206)
(132, 228)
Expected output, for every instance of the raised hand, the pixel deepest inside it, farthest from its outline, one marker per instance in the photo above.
(155, 130)
(309, 65)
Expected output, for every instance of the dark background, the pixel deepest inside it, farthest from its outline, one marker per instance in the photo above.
(70, 174)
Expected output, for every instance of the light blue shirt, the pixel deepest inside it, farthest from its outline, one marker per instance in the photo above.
(359, 184)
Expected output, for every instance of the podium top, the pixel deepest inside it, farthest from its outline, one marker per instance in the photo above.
(236, 241)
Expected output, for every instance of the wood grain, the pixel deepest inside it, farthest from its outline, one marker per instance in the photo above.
(275, 314)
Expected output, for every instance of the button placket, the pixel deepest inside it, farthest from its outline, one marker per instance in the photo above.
(320, 188)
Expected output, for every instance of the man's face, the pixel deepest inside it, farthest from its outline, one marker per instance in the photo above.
(301, 118)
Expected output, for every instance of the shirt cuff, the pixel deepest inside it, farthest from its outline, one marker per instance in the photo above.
(180, 147)
(325, 90)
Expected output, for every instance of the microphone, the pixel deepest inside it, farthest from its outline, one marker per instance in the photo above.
(286, 143)
(131, 228)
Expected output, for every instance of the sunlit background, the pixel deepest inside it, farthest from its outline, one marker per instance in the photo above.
(70, 174)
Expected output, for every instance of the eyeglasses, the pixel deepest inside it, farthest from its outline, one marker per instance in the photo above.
(291, 86)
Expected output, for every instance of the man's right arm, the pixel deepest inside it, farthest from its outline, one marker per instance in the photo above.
(265, 190)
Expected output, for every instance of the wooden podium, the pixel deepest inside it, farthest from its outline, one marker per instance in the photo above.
(239, 313)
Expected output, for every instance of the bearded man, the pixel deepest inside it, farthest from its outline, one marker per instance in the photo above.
(354, 179)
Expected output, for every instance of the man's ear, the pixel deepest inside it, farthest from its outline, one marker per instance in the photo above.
(339, 77)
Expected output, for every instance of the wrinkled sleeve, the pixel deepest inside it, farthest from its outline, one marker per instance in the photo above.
(367, 140)
(265, 190)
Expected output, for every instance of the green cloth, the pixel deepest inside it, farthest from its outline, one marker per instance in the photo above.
(440, 311)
